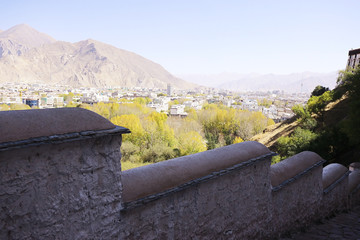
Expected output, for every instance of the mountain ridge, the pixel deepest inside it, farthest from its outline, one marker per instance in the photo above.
(26, 35)
(89, 63)
(294, 82)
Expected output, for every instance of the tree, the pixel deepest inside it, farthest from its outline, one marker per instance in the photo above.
(350, 82)
(299, 141)
(132, 122)
(190, 143)
(317, 104)
(4, 107)
(319, 90)
(237, 140)
(300, 111)
(19, 106)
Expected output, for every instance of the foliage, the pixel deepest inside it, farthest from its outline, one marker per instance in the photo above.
(157, 153)
(72, 104)
(299, 141)
(265, 102)
(317, 104)
(350, 82)
(335, 143)
(142, 101)
(19, 106)
(132, 122)
(303, 115)
(190, 143)
(319, 90)
(130, 152)
(237, 140)
(300, 111)
(331, 144)
(221, 125)
(4, 107)
(276, 159)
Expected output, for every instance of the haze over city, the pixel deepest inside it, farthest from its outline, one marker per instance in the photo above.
(205, 37)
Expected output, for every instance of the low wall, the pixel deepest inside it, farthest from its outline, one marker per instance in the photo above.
(296, 192)
(222, 193)
(60, 178)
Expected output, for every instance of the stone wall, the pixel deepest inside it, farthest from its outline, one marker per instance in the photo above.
(297, 192)
(229, 202)
(66, 183)
(63, 186)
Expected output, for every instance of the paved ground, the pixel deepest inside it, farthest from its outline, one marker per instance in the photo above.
(342, 226)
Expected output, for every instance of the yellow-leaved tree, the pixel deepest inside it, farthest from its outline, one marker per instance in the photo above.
(190, 143)
(132, 122)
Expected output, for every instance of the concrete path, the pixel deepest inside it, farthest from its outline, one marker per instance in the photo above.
(342, 226)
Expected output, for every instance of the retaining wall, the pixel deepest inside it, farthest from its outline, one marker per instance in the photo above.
(60, 178)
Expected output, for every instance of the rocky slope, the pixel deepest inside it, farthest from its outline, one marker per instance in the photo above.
(29, 56)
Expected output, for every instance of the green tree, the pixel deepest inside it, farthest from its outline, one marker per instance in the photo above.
(319, 90)
(349, 81)
(317, 104)
(299, 141)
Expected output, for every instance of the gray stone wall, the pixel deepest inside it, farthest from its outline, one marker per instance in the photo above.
(74, 190)
(295, 205)
(66, 190)
(232, 206)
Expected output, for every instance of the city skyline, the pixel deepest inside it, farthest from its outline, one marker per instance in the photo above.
(205, 37)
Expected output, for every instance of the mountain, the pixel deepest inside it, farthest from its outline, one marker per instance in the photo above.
(295, 82)
(25, 35)
(29, 56)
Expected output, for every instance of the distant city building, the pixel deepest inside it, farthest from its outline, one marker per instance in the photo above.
(178, 110)
(169, 90)
(32, 102)
(354, 58)
(10, 100)
(51, 101)
(158, 107)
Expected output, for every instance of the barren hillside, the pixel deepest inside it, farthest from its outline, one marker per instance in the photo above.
(29, 56)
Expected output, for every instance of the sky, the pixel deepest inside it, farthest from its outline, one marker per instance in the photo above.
(205, 37)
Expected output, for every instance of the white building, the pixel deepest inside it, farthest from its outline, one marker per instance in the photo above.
(178, 110)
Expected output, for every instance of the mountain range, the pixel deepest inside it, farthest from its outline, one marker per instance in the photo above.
(29, 56)
(295, 82)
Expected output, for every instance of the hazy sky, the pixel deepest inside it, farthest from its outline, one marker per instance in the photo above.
(194, 36)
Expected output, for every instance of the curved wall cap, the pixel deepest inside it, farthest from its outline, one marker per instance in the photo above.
(290, 167)
(331, 173)
(158, 177)
(24, 124)
(354, 166)
(354, 180)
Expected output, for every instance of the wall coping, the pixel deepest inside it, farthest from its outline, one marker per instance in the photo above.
(22, 128)
(354, 181)
(290, 169)
(25, 124)
(333, 174)
(146, 180)
(213, 175)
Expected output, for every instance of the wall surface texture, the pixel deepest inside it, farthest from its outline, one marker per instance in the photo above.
(61, 191)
